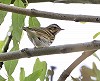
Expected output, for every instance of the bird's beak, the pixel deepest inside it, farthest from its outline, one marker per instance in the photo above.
(62, 29)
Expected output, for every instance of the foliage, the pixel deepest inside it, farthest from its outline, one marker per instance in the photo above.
(3, 13)
(2, 43)
(2, 78)
(94, 37)
(16, 30)
(97, 34)
(39, 68)
(39, 71)
(33, 22)
(22, 74)
(88, 74)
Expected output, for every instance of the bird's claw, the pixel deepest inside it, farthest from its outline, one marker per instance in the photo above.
(26, 50)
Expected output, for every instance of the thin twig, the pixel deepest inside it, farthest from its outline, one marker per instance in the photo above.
(67, 72)
(6, 47)
(52, 70)
(78, 1)
(7, 43)
(63, 1)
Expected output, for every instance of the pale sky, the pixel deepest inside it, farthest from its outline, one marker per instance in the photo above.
(75, 32)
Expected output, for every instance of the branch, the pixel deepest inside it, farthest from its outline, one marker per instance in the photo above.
(67, 72)
(63, 1)
(7, 43)
(61, 49)
(37, 13)
(34, 1)
(6, 47)
(79, 1)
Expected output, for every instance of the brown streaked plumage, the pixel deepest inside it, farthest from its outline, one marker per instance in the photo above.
(42, 37)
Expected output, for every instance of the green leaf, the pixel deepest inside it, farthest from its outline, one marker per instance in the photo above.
(15, 47)
(2, 16)
(17, 24)
(34, 76)
(40, 66)
(10, 66)
(1, 45)
(87, 72)
(5, 1)
(2, 79)
(19, 3)
(47, 78)
(3, 13)
(96, 56)
(33, 22)
(75, 79)
(10, 78)
(97, 34)
(50, 72)
(97, 72)
(22, 74)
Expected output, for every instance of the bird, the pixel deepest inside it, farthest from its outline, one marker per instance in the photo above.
(42, 36)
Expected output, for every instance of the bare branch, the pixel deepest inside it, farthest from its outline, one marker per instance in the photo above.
(37, 13)
(6, 47)
(61, 49)
(67, 72)
(34, 1)
(64, 1)
(79, 1)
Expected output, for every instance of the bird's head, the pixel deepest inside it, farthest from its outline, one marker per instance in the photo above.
(54, 28)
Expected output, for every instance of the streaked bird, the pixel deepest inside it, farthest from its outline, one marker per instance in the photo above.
(42, 37)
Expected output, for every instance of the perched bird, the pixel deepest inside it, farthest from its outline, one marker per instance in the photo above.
(42, 37)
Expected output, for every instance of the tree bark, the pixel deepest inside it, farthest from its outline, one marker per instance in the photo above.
(63, 1)
(61, 49)
(52, 15)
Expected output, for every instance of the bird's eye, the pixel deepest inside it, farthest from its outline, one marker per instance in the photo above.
(50, 28)
(54, 27)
